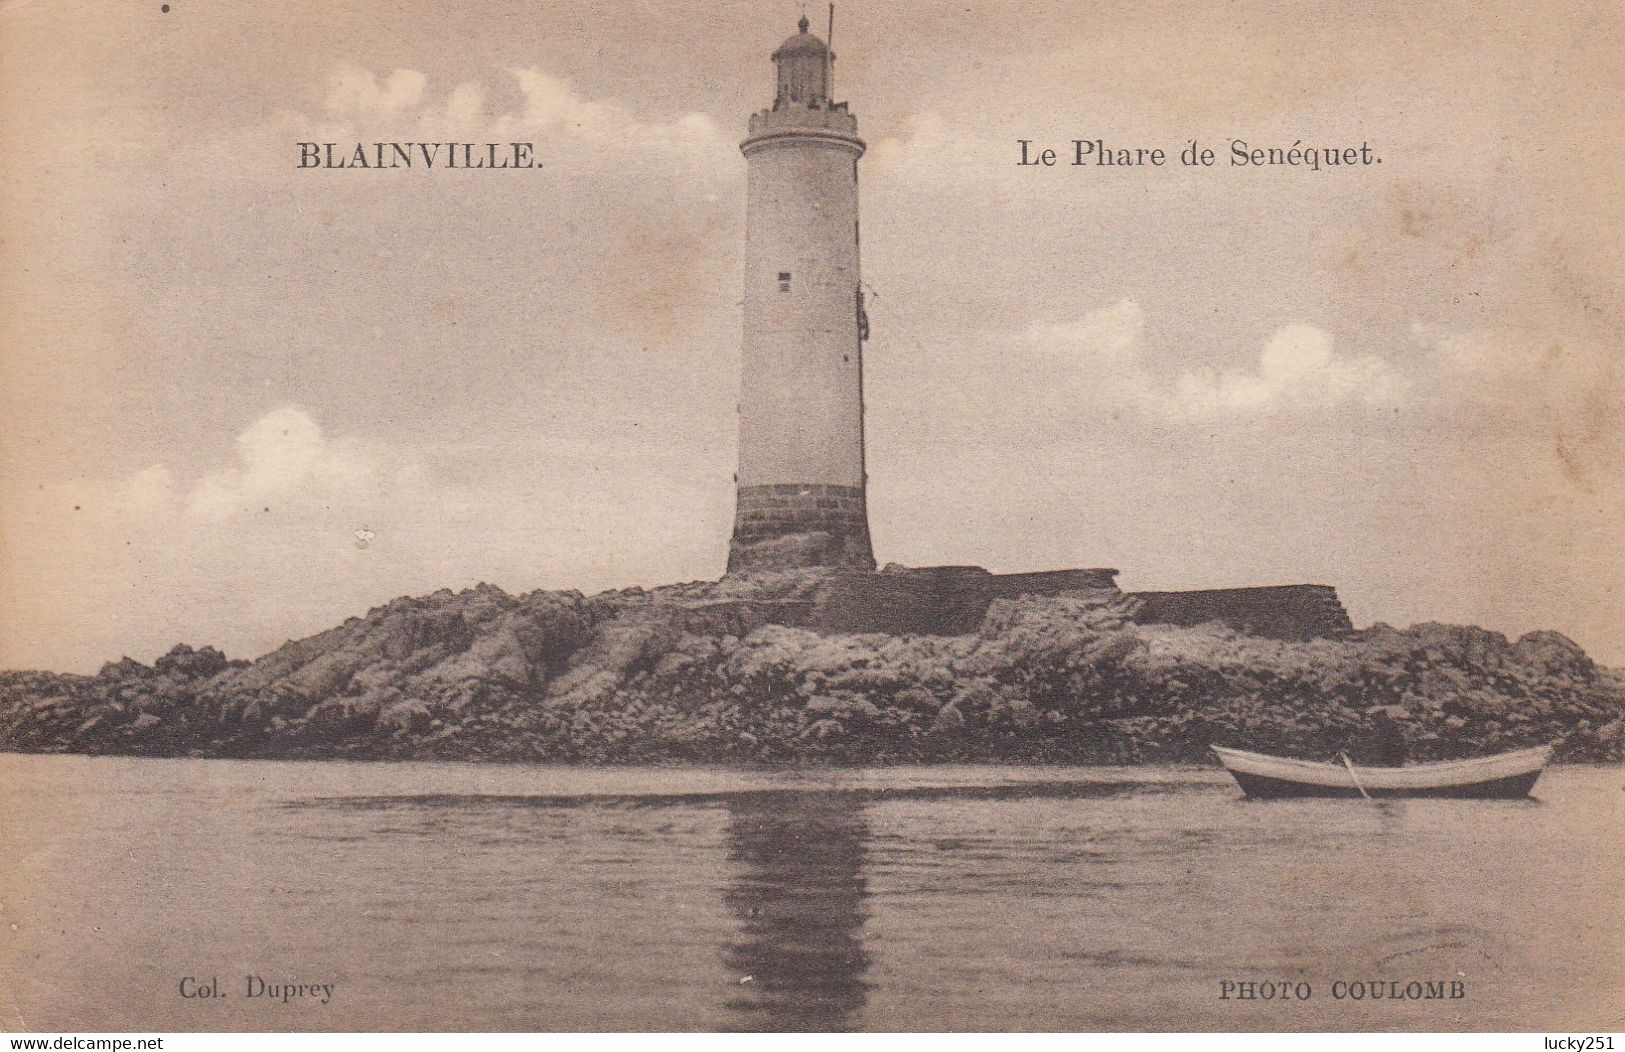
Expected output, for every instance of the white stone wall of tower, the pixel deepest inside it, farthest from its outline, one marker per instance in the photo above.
(800, 411)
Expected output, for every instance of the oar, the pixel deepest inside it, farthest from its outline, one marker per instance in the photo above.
(1345, 758)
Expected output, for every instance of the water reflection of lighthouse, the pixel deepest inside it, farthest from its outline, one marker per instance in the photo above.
(799, 899)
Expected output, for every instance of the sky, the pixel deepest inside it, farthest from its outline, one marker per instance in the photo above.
(221, 373)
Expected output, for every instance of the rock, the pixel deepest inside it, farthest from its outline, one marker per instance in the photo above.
(1022, 713)
(182, 660)
(822, 729)
(1552, 652)
(703, 671)
(917, 699)
(121, 669)
(404, 717)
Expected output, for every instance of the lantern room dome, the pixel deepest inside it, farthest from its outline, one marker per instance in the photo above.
(803, 43)
(803, 64)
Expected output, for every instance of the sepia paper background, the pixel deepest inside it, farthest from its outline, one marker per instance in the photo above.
(221, 372)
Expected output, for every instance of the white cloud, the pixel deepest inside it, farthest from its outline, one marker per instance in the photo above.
(1106, 336)
(281, 456)
(1298, 370)
(550, 100)
(401, 105)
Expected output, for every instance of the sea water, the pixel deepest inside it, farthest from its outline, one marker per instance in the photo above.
(175, 895)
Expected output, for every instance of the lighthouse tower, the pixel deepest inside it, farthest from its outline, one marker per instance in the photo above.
(801, 475)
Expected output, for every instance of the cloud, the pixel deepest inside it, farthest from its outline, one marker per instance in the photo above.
(1105, 336)
(401, 105)
(284, 455)
(1298, 370)
(550, 100)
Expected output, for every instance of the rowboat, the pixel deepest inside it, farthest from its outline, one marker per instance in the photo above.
(1506, 776)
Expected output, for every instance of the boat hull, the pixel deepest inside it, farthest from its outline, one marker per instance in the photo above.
(1508, 776)
(1515, 787)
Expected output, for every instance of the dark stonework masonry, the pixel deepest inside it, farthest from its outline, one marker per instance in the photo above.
(1051, 582)
(953, 600)
(1292, 611)
(934, 600)
(787, 526)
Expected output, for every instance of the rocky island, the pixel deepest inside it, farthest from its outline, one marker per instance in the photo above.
(711, 672)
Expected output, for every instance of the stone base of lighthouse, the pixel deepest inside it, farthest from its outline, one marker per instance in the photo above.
(792, 525)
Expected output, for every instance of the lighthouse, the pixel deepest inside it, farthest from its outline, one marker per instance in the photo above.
(801, 481)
